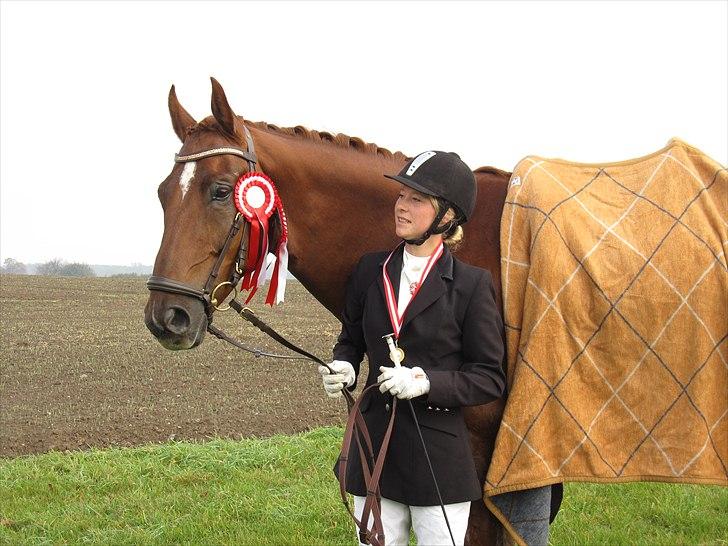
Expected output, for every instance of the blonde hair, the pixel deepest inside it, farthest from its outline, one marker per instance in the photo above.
(453, 237)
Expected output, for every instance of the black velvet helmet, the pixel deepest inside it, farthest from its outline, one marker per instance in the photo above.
(443, 175)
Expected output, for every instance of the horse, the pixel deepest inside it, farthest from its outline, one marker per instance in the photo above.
(338, 207)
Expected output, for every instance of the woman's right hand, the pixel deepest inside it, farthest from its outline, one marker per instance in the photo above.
(334, 383)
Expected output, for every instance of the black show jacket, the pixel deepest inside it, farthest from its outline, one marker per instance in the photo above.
(452, 330)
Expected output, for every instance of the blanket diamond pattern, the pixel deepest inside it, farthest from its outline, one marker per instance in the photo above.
(615, 294)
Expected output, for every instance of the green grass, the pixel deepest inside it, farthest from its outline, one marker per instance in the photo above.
(642, 513)
(267, 491)
(280, 490)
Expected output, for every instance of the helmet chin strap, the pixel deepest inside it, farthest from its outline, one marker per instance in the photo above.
(434, 228)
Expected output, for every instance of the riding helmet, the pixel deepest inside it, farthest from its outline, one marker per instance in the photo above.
(443, 175)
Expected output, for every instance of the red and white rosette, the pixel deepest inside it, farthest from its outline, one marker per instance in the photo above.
(256, 198)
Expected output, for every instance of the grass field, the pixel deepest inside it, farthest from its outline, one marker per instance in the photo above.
(280, 490)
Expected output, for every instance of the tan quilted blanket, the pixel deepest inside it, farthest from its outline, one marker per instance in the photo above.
(615, 289)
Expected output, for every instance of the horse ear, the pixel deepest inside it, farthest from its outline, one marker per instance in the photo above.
(181, 119)
(223, 113)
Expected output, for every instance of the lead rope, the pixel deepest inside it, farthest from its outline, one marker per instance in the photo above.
(355, 426)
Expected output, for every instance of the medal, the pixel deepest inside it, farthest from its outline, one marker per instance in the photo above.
(395, 317)
(397, 355)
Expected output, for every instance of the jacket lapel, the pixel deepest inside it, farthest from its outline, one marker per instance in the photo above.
(432, 289)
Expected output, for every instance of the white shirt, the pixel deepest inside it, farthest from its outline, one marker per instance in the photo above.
(412, 268)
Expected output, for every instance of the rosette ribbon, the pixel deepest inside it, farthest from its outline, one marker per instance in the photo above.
(257, 200)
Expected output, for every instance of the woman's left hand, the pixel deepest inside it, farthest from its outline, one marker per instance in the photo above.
(403, 382)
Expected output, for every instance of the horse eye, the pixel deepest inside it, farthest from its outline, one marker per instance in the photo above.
(221, 193)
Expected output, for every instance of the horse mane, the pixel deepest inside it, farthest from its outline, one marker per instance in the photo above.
(351, 143)
(339, 139)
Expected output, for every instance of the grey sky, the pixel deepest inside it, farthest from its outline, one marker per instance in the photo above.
(86, 138)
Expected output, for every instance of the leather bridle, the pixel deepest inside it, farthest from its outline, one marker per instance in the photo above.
(209, 291)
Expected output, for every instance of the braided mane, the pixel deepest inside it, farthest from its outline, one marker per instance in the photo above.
(339, 139)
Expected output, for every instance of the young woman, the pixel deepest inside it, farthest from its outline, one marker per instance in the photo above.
(444, 317)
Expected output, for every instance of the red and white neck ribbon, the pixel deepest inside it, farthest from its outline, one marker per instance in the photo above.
(256, 199)
(395, 318)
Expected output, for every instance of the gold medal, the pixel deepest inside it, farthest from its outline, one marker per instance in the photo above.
(396, 355)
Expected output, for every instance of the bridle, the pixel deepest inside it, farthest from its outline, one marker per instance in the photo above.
(209, 291)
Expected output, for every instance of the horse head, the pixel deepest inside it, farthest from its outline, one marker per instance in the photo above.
(198, 215)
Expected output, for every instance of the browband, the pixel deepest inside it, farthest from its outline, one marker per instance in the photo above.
(248, 154)
(216, 151)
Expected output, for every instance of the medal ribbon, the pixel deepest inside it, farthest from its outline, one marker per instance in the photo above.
(395, 318)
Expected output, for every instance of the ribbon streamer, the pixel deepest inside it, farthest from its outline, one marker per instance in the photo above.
(256, 198)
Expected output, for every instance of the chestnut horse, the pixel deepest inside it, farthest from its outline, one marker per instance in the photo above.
(339, 207)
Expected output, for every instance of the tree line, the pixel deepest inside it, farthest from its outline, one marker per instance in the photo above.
(52, 268)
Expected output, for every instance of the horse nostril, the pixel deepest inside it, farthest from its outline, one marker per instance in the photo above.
(176, 320)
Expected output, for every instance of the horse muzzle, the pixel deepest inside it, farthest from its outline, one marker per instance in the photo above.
(178, 322)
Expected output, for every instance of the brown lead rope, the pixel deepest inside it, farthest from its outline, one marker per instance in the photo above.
(355, 427)
(373, 502)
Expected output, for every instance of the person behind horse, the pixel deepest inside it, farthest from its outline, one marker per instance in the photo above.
(450, 330)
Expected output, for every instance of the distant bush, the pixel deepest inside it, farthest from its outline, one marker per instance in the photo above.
(51, 268)
(129, 275)
(57, 268)
(13, 267)
(77, 269)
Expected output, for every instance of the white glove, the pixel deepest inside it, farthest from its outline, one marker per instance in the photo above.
(402, 382)
(335, 382)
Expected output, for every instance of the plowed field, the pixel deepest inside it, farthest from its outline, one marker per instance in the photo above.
(79, 369)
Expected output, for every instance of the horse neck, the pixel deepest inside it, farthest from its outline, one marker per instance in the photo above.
(338, 206)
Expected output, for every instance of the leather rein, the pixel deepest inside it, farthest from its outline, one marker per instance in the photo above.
(356, 427)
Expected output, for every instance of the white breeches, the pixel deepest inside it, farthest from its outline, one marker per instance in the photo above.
(427, 522)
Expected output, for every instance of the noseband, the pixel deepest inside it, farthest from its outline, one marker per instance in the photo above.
(208, 292)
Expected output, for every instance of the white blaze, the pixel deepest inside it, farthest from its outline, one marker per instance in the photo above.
(186, 177)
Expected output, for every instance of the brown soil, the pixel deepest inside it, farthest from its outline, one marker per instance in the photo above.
(78, 369)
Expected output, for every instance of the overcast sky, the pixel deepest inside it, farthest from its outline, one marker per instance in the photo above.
(86, 136)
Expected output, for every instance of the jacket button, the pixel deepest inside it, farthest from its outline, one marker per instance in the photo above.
(438, 409)
(386, 406)
(429, 407)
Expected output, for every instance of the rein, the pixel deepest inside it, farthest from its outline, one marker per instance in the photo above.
(356, 426)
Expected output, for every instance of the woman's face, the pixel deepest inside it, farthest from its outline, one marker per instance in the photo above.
(413, 213)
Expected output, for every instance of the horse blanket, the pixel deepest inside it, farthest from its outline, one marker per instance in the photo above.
(615, 295)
